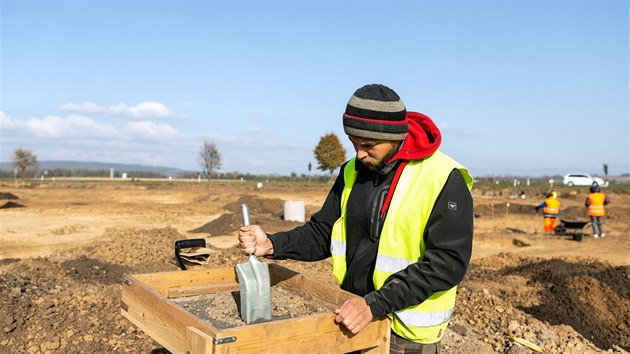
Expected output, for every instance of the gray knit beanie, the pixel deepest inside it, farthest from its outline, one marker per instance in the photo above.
(376, 112)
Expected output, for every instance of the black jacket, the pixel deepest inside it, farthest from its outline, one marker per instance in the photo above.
(448, 239)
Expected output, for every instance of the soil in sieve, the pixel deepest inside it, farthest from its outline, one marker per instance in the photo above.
(223, 309)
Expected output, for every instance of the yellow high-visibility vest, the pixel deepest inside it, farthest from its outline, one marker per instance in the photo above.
(402, 243)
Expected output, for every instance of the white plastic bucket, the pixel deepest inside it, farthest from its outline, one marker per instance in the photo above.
(294, 210)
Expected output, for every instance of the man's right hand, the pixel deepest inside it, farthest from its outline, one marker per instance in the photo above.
(253, 240)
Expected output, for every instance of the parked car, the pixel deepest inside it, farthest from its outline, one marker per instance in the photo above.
(582, 179)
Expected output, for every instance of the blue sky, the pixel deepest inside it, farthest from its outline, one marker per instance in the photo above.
(516, 87)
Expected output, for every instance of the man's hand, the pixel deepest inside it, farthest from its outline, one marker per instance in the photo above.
(355, 314)
(253, 240)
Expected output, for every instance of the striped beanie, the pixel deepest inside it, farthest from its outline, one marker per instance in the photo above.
(375, 112)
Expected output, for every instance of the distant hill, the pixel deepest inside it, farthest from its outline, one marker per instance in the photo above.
(96, 166)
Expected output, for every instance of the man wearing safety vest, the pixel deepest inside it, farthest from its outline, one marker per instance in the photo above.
(595, 202)
(551, 209)
(398, 224)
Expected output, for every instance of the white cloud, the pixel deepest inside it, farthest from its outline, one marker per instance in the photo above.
(56, 127)
(81, 138)
(6, 122)
(150, 130)
(143, 111)
(79, 127)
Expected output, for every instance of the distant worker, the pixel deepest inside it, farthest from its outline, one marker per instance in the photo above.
(551, 209)
(595, 202)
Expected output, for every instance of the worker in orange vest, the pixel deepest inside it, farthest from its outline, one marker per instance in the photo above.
(551, 209)
(595, 202)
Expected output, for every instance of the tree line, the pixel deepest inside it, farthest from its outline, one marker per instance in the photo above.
(329, 153)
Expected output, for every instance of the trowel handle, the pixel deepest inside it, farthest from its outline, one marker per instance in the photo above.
(245, 211)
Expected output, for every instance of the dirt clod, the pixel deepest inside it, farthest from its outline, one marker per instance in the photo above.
(8, 196)
(9, 205)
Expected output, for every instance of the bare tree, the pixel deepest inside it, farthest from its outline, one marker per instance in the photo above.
(209, 158)
(329, 153)
(22, 160)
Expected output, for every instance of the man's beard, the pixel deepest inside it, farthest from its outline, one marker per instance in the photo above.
(375, 165)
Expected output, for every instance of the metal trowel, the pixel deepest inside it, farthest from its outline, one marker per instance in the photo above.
(253, 277)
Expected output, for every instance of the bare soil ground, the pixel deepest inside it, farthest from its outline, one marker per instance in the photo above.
(65, 245)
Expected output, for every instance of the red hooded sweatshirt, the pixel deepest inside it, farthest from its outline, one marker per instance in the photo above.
(422, 140)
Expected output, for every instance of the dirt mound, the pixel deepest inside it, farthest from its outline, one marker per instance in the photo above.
(9, 205)
(261, 211)
(223, 225)
(588, 296)
(8, 196)
(70, 302)
(93, 271)
(139, 251)
(258, 206)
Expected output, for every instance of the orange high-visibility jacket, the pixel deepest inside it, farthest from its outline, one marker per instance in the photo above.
(596, 204)
(552, 207)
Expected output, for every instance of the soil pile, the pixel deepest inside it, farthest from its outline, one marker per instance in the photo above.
(8, 196)
(71, 302)
(10, 204)
(541, 300)
(261, 210)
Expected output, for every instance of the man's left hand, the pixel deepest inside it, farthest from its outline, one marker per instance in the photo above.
(355, 314)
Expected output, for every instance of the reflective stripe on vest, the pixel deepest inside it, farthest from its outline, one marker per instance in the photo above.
(401, 242)
(552, 207)
(391, 264)
(425, 319)
(338, 247)
(596, 206)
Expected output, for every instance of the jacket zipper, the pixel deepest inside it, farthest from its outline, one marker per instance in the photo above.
(375, 216)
